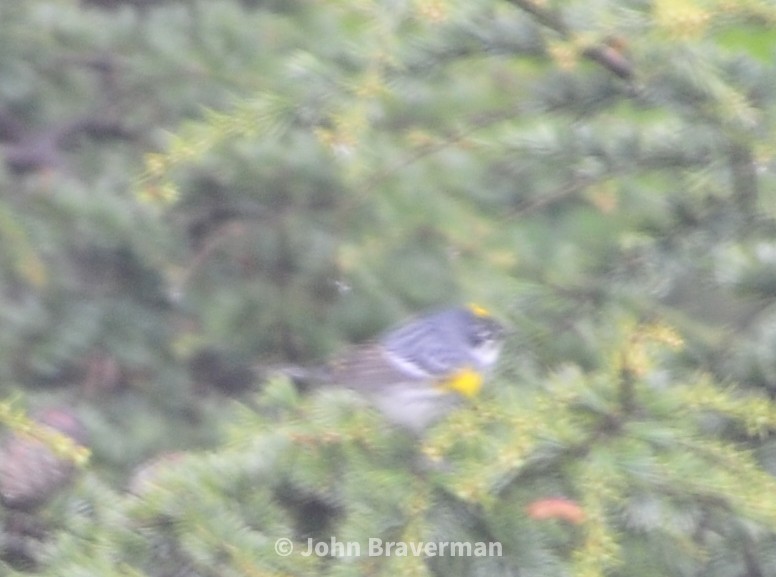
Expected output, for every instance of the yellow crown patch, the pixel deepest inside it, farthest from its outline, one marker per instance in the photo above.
(478, 310)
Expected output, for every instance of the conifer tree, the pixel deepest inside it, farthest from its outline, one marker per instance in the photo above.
(196, 192)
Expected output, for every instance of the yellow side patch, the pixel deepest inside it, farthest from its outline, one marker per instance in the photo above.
(465, 382)
(478, 310)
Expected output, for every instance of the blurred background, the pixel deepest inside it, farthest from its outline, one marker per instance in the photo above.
(193, 193)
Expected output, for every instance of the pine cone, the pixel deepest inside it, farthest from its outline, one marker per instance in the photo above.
(30, 472)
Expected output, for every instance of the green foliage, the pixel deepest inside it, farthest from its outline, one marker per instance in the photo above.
(195, 192)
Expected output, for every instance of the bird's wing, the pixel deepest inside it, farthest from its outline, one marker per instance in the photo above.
(367, 368)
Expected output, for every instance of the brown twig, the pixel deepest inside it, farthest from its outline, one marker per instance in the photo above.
(606, 56)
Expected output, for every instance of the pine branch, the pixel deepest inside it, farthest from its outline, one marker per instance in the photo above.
(531, 206)
(29, 151)
(606, 56)
(480, 123)
(744, 177)
(749, 554)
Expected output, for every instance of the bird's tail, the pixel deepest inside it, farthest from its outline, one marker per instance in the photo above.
(304, 379)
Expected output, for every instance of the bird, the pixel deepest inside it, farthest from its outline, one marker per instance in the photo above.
(422, 369)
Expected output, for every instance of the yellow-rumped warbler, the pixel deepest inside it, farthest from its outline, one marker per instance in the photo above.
(419, 371)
